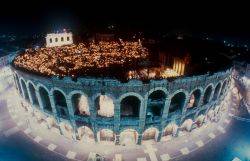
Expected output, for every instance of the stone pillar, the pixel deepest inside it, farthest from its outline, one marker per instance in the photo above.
(117, 115)
(218, 96)
(142, 116)
(211, 96)
(165, 109)
(71, 113)
(201, 100)
(199, 104)
(93, 112)
(159, 135)
(117, 139)
(53, 106)
(184, 110)
(164, 117)
(30, 97)
(22, 89)
(139, 138)
(39, 100)
(95, 135)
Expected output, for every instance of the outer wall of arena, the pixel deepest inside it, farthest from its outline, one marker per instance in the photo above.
(137, 111)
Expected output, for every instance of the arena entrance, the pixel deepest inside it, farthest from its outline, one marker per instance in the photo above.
(187, 125)
(66, 130)
(150, 134)
(200, 120)
(169, 131)
(106, 136)
(85, 134)
(128, 137)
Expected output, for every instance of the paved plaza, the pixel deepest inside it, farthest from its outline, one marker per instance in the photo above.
(20, 121)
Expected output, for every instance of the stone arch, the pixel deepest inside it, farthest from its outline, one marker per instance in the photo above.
(151, 133)
(177, 102)
(155, 103)
(157, 89)
(33, 95)
(223, 88)
(210, 114)
(45, 100)
(80, 103)
(106, 135)
(170, 129)
(208, 94)
(24, 87)
(216, 91)
(187, 125)
(194, 98)
(85, 134)
(131, 104)
(60, 103)
(51, 122)
(128, 137)
(104, 104)
(18, 84)
(199, 120)
(66, 129)
(15, 80)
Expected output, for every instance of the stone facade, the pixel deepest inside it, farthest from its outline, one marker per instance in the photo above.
(53, 97)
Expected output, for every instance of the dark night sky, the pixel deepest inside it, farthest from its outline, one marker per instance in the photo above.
(24, 17)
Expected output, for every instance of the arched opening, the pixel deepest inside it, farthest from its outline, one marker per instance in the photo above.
(177, 103)
(210, 114)
(51, 122)
(104, 106)
(46, 105)
(130, 107)
(33, 94)
(106, 135)
(80, 104)
(194, 99)
(66, 129)
(169, 131)
(85, 134)
(207, 94)
(155, 104)
(150, 134)
(187, 125)
(200, 119)
(216, 91)
(223, 88)
(129, 137)
(25, 91)
(61, 105)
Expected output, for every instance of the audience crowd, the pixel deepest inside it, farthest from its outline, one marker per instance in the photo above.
(73, 59)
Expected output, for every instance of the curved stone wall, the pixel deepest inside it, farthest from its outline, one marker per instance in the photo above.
(137, 110)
